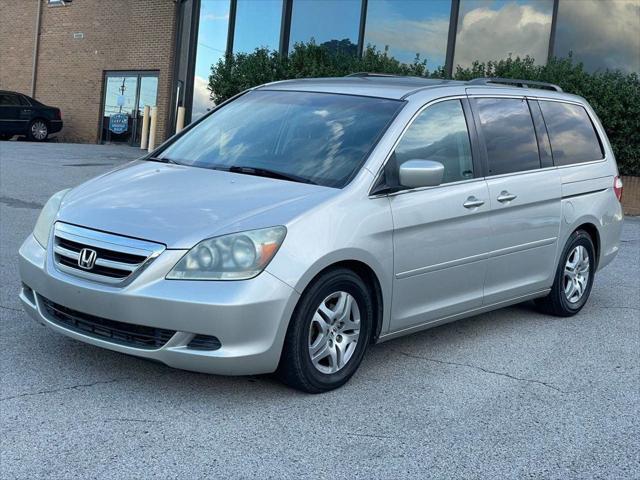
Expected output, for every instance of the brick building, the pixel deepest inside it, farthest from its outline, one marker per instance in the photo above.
(86, 50)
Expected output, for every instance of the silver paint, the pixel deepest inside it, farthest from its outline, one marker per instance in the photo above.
(438, 253)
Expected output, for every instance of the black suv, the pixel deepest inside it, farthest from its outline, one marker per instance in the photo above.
(22, 115)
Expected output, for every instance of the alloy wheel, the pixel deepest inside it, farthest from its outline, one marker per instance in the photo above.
(39, 130)
(334, 332)
(576, 274)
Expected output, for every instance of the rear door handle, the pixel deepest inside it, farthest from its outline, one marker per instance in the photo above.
(473, 202)
(506, 196)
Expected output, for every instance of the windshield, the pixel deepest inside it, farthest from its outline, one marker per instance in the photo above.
(315, 138)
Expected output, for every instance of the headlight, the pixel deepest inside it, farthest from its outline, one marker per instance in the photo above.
(238, 256)
(47, 216)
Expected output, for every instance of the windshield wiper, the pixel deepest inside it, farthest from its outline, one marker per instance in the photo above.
(265, 172)
(160, 160)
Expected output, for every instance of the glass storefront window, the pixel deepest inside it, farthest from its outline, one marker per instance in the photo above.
(213, 26)
(333, 23)
(602, 35)
(257, 25)
(494, 29)
(408, 28)
(125, 96)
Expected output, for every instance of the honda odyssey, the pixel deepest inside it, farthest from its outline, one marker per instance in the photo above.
(303, 220)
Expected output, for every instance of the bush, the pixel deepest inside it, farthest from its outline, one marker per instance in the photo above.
(614, 95)
(235, 73)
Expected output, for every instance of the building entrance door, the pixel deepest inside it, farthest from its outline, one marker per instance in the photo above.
(125, 96)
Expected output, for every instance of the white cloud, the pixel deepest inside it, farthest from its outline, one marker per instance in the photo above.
(212, 17)
(201, 100)
(427, 37)
(601, 34)
(485, 34)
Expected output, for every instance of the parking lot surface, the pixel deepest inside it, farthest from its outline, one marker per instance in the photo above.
(508, 394)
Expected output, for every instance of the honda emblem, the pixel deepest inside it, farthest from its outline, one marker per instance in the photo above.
(87, 258)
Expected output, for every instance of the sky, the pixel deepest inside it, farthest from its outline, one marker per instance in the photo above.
(212, 42)
(600, 34)
(325, 20)
(494, 29)
(410, 27)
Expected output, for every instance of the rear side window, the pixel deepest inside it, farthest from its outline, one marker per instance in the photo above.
(573, 138)
(440, 134)
(9, 99)
(509, 135)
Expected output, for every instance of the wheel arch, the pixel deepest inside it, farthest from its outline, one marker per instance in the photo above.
(594, 233)
(40, 117)
(368, 274)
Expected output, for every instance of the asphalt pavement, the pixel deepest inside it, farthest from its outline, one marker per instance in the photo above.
(507, 394)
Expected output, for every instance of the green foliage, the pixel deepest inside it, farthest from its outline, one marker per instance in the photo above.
(235, 73)
(614, 95)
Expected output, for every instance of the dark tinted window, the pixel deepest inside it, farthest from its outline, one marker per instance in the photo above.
(509, 135)
(315, 137)
(440, 134)
(573, 138)
(9, 99)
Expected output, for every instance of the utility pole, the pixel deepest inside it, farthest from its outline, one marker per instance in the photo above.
(122, 90)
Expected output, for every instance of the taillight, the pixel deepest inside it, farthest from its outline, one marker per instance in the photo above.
(617, 188)
(58, 114)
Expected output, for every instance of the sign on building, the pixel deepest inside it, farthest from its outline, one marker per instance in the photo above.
(119, 123)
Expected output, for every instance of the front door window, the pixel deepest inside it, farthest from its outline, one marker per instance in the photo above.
(125, 97)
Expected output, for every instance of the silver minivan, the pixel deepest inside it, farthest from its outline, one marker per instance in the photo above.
(303, 220)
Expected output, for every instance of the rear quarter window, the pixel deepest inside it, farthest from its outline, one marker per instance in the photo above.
(509, 135)
(571, 133)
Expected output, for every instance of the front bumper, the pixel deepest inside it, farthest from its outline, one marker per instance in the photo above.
(250, 318)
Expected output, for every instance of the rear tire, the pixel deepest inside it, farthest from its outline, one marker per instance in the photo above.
(574, 277)
(38, 130)
(328, 333)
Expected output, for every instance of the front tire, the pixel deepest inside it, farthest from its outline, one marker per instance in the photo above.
(38, 130)
(328, 334)
(574, 277)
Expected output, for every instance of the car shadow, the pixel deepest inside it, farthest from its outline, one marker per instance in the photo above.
(148, 377)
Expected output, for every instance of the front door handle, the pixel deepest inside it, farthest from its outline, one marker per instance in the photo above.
(506, 196)
(473, 202)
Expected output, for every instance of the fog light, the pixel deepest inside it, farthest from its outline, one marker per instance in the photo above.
(204, 342)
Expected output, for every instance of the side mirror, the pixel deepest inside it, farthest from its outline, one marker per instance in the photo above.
(421, 173)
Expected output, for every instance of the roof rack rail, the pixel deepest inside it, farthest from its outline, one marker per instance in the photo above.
(515, 81)
(372, 74)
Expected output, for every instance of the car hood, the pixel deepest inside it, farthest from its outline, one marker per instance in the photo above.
(179, 206)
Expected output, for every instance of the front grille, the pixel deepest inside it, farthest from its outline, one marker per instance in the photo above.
(128, 334)
(111, 258)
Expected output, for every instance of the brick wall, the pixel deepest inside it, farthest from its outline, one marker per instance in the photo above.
(631, 195)
(116, 35)
(17, 30)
